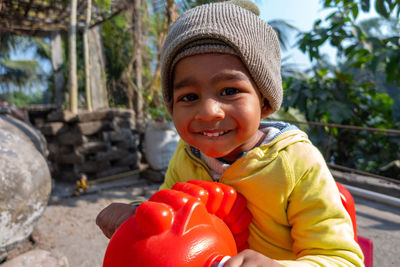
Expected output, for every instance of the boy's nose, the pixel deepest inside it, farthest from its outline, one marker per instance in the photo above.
(210, 109)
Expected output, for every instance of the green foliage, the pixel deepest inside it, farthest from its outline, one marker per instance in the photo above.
(352, 41)
(27, 74)
(343, 100)
(105, 4)
(17, 73)
(362, 90)
(117, 42)
(20, 99)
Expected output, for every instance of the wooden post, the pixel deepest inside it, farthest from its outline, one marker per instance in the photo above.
(137, 36)
(86, 52)
(57, 62)
(98, 83)
(73, 80)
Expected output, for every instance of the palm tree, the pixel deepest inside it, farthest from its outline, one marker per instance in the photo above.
(20, 74)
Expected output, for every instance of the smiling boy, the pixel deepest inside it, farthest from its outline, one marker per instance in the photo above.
(221, 77)
(216, 105)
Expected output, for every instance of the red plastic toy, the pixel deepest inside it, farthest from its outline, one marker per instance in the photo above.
(197, 223)
(366, 244)
(223, 201)
(183, 226)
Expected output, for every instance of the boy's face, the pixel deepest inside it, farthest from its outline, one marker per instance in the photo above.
(216, 105)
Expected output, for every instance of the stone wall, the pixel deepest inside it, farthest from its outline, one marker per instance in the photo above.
(96, 144)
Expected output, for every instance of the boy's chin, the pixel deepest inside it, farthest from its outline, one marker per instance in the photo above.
(217, 155)
(213, 154)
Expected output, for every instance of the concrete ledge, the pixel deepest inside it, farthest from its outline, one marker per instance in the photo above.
(368, 183)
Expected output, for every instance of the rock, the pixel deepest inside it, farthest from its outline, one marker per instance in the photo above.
(55, 150)
(92, 147)
(113, 154)
(38, 257)
(97, 115)
(25, 186)
(92, 127)
(53, 128)
(71, 138)
(123, 123)
(130, 160)
(115, 136)
(123, 113)
(25, 131)
(70, 158)
(62, 115)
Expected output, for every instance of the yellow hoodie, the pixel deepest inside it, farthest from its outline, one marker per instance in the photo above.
(298, 217)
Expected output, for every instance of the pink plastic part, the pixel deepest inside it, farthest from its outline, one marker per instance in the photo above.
(171, 229)
(368, 249)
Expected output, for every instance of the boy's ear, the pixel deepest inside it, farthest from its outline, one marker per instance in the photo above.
(266, 109)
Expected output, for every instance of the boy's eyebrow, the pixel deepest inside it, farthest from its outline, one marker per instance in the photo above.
(185, 82)
(223, 76)
(226, 76)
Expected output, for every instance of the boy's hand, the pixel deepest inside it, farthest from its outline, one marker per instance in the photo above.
(111, 217)
(250, 258)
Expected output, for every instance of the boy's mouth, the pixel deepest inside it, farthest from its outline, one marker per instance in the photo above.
(214, 134)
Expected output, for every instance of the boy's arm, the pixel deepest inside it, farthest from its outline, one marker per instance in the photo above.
(321, 227)
(112, 216)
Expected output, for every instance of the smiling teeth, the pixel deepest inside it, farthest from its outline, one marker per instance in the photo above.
(213, 134)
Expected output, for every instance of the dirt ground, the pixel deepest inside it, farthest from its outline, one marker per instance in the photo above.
(68, 224)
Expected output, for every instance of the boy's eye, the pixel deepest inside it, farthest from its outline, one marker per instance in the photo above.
(188, 98)
(229, 91)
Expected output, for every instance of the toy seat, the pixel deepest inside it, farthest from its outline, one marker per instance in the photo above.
(365, 243)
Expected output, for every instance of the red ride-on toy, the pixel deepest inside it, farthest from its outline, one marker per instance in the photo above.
(193, 224)
(197, 223)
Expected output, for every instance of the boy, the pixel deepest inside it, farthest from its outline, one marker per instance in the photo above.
(220, 77)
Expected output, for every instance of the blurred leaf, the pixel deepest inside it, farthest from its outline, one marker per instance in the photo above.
(381, 8)
(365, 5)
(354, 12)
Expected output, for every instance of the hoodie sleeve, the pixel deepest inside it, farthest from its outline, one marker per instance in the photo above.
(321, 227)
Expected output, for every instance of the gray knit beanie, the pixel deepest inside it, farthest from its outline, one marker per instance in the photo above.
(225, 28)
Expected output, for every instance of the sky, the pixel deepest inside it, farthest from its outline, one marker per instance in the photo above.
(301, 14)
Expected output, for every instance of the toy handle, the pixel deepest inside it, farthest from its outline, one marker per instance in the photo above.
(223, 201)
(221, 263)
